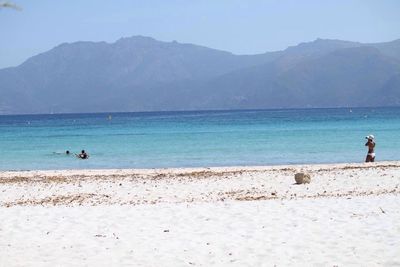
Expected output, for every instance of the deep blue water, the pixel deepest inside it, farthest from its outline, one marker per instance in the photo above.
(203, 138)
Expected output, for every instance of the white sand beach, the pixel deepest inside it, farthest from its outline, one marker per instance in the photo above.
(348, 215)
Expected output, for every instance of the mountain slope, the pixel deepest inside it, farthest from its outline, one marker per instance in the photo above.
(82, 76)
(142, 74)
(360, 76)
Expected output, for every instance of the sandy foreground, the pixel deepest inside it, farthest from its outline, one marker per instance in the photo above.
(349, 215)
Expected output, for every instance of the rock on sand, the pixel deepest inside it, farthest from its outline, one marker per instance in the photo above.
(302, 178)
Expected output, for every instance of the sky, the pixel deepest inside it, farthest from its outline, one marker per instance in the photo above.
(237, 26)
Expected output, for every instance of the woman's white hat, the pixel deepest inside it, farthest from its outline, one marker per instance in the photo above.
(370, 137)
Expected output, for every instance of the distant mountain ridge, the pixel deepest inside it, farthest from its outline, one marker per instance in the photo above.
(143, 74)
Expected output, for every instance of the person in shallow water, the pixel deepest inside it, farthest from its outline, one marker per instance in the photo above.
(371, 148)
(83, 155)
(67, 152)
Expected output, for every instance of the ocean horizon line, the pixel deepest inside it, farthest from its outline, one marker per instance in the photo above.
(195, 111)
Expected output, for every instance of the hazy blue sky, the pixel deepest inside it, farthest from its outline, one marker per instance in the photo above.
(239, 26)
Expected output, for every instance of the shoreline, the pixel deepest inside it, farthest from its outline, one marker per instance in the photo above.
(187, 185)
(95, 171)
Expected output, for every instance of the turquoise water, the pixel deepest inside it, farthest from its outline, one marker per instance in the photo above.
(204, 138)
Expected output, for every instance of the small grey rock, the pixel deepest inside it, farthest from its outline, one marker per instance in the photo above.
(302, 178)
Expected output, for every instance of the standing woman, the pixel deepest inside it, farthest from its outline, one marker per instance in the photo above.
(371, 148)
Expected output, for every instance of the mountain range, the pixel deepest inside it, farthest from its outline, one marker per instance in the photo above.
(143, 74)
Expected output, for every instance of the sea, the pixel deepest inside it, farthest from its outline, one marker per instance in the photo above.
(197, 138)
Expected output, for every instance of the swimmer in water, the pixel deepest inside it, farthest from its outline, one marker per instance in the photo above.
(83, 155)
(67, 153)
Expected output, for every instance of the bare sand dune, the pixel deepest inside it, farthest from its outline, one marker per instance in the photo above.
(348, 215)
